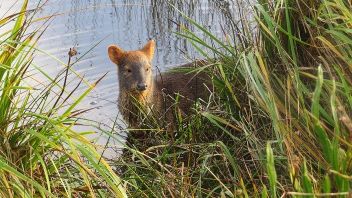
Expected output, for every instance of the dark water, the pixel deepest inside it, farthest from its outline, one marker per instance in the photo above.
(91, 25)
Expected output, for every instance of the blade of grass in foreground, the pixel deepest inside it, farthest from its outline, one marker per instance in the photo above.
(270, 165)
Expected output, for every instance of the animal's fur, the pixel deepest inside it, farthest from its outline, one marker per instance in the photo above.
(134, 67)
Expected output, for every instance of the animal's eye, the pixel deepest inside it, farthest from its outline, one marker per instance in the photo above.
(129, 70)
(148, 69)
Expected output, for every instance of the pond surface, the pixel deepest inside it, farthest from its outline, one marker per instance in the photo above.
(91, 25)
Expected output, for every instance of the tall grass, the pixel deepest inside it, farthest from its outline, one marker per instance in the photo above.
(41, 155)
(279, 123)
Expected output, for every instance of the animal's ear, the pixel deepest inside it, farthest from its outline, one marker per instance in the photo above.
(115, 54)
(148, 49)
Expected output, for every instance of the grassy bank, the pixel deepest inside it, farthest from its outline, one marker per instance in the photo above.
(41, 155)
(279, 122)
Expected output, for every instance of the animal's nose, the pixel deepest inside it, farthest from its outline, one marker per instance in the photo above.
(141, 86)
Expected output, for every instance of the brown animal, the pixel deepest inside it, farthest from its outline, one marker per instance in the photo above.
(157, 95)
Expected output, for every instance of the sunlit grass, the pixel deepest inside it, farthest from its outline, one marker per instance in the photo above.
(41, 153)
(279, 121)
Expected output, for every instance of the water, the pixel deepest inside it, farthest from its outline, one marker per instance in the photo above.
(91, 25)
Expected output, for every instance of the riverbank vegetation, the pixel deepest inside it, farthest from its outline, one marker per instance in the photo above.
(279, 122)
(41, 154)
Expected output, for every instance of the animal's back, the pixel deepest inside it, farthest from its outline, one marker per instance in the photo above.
(189, 87)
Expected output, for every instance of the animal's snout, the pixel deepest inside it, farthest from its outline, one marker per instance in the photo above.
(141, 86)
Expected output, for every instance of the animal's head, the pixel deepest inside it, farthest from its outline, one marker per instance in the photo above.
(134, 68)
